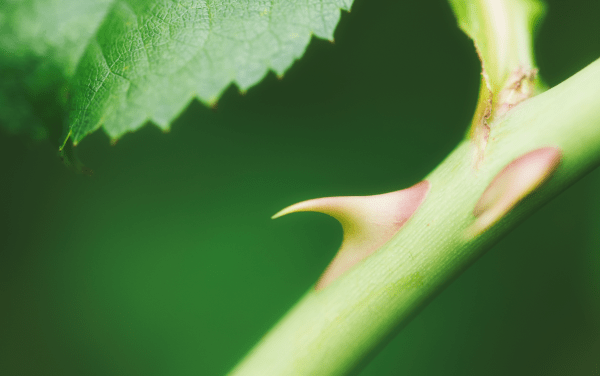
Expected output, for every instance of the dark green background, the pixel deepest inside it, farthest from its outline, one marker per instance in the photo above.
(165, 261)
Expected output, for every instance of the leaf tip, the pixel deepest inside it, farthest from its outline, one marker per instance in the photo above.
(64, 141)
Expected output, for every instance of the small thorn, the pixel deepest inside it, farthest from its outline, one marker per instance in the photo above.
(511, 185)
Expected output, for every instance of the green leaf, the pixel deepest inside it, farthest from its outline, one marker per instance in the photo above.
(127, 62)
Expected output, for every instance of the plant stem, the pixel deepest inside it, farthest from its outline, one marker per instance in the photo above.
(337, 330)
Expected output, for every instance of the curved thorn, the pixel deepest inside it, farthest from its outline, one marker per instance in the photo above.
(368, 223)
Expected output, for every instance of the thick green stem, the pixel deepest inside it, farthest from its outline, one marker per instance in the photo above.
(336, 330)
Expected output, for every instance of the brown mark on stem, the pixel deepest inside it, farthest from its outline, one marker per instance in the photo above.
(519, 87)
(492, 104)
(480, 130)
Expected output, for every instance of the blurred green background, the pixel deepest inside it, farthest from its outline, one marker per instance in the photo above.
(165, 261)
